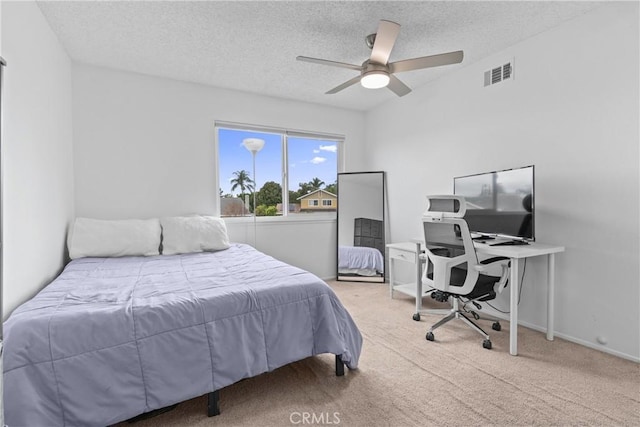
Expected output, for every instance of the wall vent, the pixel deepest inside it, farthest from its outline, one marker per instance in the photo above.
(498, 74)
(506, 71)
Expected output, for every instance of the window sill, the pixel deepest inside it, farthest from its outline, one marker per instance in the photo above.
(316, 217)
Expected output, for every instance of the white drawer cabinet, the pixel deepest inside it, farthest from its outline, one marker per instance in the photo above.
(404, 252)
(408, 252)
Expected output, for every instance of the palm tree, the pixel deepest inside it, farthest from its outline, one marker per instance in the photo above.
(241, 180)
(316, 183)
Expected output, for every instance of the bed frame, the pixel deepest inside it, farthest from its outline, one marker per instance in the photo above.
(213, 400)
(213, 407)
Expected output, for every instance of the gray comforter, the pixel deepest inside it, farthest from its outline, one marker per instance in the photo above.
(112, 338)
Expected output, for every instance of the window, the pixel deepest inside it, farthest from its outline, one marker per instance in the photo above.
(290, 165)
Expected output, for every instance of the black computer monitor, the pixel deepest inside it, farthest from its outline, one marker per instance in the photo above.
(500, 202)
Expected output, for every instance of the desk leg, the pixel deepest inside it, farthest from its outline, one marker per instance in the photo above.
(418, 282)
(392, 279)
(513, 316)
(551, 286)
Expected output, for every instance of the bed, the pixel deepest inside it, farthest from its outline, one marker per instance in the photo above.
(115, 337)
(364, 261)
(359, 261)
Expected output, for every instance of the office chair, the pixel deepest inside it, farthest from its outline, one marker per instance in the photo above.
(452, 269)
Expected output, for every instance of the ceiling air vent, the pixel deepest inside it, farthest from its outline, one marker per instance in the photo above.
(498, 74)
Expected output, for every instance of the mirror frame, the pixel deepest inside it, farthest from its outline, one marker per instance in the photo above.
(380, 277)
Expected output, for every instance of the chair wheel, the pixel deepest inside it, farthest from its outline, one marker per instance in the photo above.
(430, 336)
(416, 317)
(486, 344)
(496, 326)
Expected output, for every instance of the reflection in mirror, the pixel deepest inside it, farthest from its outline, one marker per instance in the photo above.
(361, 227)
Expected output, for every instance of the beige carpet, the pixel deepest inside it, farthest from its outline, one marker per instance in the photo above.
(404, 380)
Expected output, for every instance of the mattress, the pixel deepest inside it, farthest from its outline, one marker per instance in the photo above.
(360, 257)
(112, 338)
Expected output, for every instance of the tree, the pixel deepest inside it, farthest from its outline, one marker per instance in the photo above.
(263, 210)
(332, 188)
(316, 183)
(270, 194)
(242, 180)
(308, 187)
(293, 196)
(305, 188)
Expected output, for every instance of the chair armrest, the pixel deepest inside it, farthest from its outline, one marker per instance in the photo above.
(436, 250)
(439, 250)
(486, 264)
(504, 262)
(494, 259)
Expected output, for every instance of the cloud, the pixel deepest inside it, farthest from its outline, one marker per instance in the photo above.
(318, 160)
(316, 151)
(332, 148)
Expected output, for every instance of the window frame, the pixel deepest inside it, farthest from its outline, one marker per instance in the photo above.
(285, 135)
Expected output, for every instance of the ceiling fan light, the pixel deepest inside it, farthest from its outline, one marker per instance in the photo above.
(375, 79)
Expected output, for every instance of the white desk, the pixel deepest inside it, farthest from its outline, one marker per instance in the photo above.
(516, 253)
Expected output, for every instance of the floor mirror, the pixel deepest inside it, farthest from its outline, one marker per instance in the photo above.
(361, 228)
(2, 65)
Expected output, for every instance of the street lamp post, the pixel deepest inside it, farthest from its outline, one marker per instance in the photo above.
(254, 145)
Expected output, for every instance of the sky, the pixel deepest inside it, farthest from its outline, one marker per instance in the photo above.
(308, 159)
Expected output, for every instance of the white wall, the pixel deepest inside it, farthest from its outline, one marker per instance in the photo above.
(38, 158)
(572, 110)
(144, 147)
(307, 244)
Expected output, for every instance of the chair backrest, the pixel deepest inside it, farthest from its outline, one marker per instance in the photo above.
(448, 244)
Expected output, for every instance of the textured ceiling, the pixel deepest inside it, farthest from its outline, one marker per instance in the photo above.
(252, 46)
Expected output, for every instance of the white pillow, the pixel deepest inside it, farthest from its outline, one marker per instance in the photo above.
(114, 238)
(186, 234)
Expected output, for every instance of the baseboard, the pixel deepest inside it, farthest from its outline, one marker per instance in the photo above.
(583, 342)
(565, 337)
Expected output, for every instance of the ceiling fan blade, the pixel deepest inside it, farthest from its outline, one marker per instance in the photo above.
(426, 62)
(385, 39)
(331, 63)
(343, 85)
(397, 87)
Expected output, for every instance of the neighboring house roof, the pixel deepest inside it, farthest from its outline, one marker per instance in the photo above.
(314, 192)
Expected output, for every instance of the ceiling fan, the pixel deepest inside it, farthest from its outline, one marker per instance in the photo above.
(376, 72)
